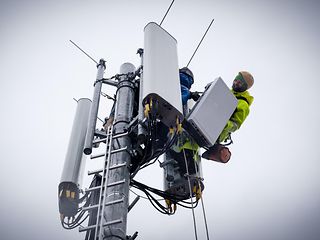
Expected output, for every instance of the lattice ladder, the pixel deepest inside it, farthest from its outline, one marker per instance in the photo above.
(100, 223)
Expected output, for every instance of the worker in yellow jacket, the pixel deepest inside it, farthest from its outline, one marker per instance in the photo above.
(242, 82)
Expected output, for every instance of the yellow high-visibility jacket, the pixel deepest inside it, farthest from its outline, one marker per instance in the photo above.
(239, 115)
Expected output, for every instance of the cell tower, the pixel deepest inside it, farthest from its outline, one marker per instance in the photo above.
(148, 120)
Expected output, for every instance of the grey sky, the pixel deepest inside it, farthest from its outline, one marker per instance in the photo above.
(269, 190)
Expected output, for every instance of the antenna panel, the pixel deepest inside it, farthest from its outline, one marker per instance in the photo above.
(211, 113)
(161, 74)
(74, 162)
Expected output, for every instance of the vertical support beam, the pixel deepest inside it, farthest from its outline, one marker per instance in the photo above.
(141, 130)
(94, 108)
(123, 116)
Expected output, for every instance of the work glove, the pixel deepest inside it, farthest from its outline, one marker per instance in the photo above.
(194, 95)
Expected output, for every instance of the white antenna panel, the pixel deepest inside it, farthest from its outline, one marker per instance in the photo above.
(161, 73)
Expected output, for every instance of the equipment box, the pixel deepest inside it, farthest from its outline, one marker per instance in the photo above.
(211, 113)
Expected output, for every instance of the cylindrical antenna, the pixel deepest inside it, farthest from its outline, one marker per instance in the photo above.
(200, 42)
(166, 12)
(83, 52)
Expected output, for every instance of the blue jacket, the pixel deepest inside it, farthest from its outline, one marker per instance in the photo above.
(186, 83)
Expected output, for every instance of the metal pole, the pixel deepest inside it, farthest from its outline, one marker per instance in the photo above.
(123, 116)
(141, 130)
(94, 108)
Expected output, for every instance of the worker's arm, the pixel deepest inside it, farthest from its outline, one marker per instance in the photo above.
(240, 114)
(236, 120)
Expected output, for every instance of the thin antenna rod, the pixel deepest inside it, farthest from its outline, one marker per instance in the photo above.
(200, 42)
(167, 12)
(83, 52)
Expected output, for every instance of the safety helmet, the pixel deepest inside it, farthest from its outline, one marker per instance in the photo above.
(248, 78)
(186, 71)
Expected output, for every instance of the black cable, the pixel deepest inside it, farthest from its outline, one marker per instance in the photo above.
(74, 222)
(160, 193)
(167, 146)
(73, 226)
(146, 151)
(150, 163)
(138, 195)
(77, 219)
(165, 195)
(195, 204)
(158, 206)
(155, 203)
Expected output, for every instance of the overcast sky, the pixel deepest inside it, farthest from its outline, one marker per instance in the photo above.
(269, 190)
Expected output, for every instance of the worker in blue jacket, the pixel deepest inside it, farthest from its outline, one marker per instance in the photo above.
(186, 81)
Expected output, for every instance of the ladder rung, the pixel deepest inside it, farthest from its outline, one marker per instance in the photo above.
(109, 185)
(116, 183)
(112, 222)
(107, 204)
(115, 202)
(95, 171)
(120, 135)
(112, 167)
(90, 207)
(114, 137)
(119, 150)
(113, 151)
(117, 166)
(93, 189)
(97, 155)
(83, 229)
(99, 140)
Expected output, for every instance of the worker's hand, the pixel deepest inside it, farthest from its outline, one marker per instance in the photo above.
(107, 123)
(228, 129)
(194, 95)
